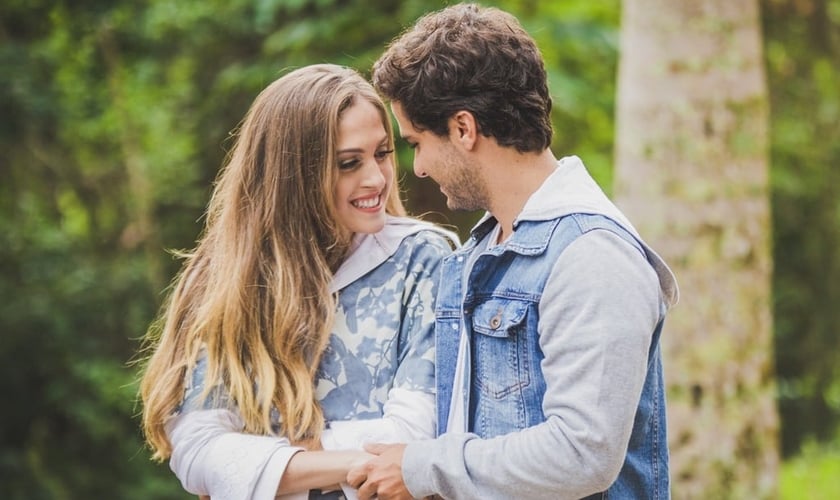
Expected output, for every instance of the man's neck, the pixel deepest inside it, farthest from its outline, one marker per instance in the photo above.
(512, 178)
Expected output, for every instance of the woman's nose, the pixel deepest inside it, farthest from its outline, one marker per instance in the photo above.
(373, 175)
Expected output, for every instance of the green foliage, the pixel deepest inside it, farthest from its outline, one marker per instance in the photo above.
(803, 64)
(579, 41)
(812, 473)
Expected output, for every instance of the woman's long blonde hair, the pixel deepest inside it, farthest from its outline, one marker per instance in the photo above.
(255, 290)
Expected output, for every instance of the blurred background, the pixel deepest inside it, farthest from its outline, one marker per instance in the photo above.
(115, 116)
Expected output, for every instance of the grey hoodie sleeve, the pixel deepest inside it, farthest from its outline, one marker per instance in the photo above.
(597, 314)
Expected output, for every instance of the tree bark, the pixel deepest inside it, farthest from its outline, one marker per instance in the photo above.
(692, 173)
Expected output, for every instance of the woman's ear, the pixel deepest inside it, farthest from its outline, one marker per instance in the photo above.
(463, 129)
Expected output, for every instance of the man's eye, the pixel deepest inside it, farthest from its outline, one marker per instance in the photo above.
(412, 145)
(348, 164)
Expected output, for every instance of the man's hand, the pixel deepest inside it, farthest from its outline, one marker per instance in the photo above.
(381, 477)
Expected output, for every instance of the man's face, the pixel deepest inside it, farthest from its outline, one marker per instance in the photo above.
(457, 174)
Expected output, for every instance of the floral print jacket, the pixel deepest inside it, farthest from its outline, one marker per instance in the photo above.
(375, 382)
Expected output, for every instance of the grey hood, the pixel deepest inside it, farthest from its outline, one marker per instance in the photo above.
(570, 189)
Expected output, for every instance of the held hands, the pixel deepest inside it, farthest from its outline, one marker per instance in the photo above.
(380, 477)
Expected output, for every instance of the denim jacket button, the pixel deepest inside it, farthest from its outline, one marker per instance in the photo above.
(495, 321)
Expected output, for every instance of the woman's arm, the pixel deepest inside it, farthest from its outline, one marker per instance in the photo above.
(409, 415)
(212, 456)
(309, 470)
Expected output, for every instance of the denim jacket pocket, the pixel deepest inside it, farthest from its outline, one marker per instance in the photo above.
(497, 317)
(500, 351)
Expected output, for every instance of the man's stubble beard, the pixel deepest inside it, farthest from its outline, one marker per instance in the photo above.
(465, 189)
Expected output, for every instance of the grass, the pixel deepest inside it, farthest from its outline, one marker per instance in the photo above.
(813, 474)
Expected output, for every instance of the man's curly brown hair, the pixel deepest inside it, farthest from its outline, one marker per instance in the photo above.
(472, 58)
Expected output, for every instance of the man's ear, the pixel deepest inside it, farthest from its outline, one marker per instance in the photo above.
(463, 129)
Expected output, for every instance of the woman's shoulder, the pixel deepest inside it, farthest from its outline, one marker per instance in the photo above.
(416, 233)
(426, 244)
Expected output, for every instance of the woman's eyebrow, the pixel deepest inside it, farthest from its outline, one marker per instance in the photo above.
(383, 142)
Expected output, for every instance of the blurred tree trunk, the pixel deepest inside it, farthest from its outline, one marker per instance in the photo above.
(692, 173)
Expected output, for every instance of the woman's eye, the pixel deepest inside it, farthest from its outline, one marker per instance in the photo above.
(412, 145)
(348, 164)
(381, 155)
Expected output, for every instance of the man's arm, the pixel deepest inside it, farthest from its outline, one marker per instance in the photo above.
(381, 477)
(597, 314)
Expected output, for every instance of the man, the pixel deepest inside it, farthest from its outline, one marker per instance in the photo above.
(549, 377)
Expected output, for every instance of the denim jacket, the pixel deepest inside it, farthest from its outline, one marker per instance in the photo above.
(556, 331)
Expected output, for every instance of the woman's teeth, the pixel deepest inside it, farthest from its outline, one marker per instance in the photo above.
(367, 202)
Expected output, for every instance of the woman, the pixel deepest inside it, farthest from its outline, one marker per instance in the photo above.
(300, 327)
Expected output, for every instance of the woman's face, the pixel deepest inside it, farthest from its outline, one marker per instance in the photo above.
(366, 168)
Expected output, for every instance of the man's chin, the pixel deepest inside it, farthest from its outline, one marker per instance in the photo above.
(457, 206)
(452, 205)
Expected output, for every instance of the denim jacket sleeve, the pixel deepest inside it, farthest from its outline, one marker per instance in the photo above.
(598, 310)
